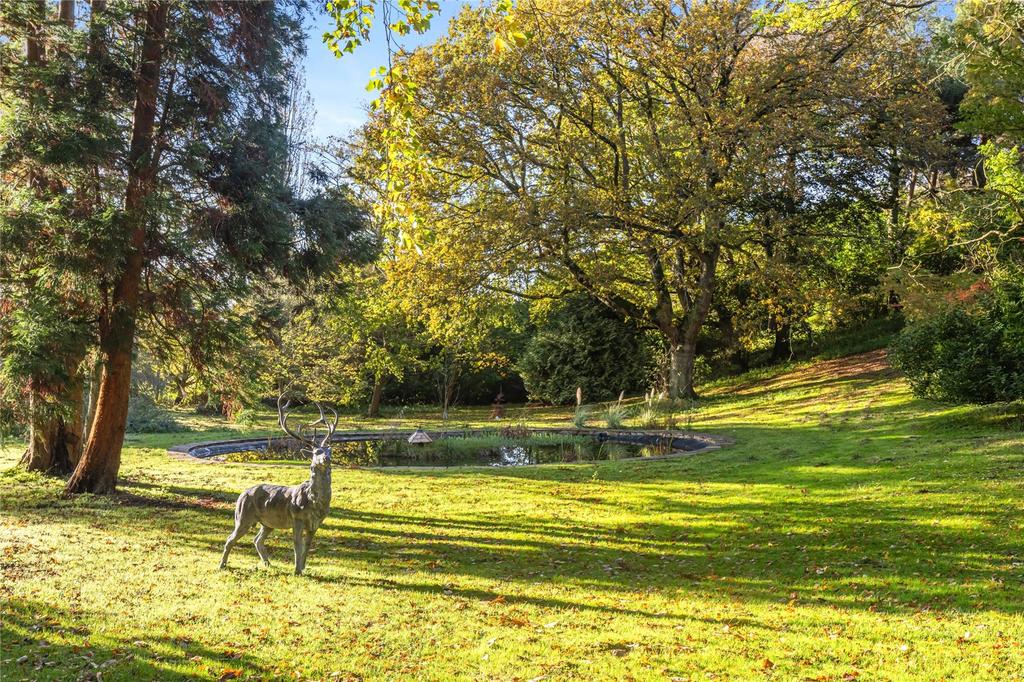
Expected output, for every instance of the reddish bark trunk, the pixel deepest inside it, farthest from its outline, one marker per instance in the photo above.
(97, 470)
(34, 48)
(66, 12)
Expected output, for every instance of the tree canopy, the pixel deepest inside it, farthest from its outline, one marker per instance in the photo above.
(626, 148)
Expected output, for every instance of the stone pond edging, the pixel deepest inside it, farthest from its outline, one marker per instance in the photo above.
(210, 451)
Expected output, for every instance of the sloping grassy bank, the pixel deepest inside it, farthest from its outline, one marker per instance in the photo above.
(853, 532)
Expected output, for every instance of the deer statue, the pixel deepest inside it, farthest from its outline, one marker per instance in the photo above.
(301, 507)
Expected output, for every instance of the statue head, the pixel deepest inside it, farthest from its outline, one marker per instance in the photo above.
(321, 460)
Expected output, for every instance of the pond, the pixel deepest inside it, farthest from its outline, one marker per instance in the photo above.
(475, 450)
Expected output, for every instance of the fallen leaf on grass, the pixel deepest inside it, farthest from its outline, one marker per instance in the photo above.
(507, 619)
(230, 674)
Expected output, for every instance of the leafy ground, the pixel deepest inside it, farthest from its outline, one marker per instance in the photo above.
(852, 533)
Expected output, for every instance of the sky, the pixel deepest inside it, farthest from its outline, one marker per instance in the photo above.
(338, 86)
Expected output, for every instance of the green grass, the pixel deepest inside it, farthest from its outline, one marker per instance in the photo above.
(853, 532)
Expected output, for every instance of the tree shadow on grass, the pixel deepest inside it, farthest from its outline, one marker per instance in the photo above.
(760, 524)
(41, 642)
(869, 521)
(447, 591)
(864, 561)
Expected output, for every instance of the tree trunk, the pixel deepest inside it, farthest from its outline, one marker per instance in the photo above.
(90, 402)
(46, 451)
(34, 48)
(665, 371)
(894, 232)
(66, 12)
(446, 399)
(75, 423)
(682, 358)
(97, 470)
(97, 54)
(683, 353)
(98, 467)
(55, 439)
(448, 385)
(54, 442)
(37, 456)
(375, 398)
(782, 348)
(181, 379)
(980, 177)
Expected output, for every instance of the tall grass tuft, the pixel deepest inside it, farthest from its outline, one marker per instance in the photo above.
(615, 415)
(580, 416)
(648, 417)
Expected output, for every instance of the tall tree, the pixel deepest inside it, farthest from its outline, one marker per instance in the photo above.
(616, 150)
(190, 201)
(98, 467)
(46, 149)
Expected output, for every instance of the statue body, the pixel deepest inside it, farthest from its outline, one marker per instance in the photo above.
(301, 507)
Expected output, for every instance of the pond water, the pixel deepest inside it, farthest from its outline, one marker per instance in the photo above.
(450, 452)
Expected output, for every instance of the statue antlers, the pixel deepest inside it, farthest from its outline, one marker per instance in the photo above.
(300, 507)
(282, 419)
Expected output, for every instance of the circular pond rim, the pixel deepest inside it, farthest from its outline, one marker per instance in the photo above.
(683, 444)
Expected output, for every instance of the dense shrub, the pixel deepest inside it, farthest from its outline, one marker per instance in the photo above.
(247, 418)
(582, 343)
(972, 352)
(145, 416)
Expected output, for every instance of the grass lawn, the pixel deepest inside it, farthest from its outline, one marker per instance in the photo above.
(852, 533)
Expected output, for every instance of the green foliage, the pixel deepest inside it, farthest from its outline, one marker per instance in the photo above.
(382, 323)
(354, 19)
(246, 418)
(581, 343)
(988, 55)
(145, 416)
(970, 353)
